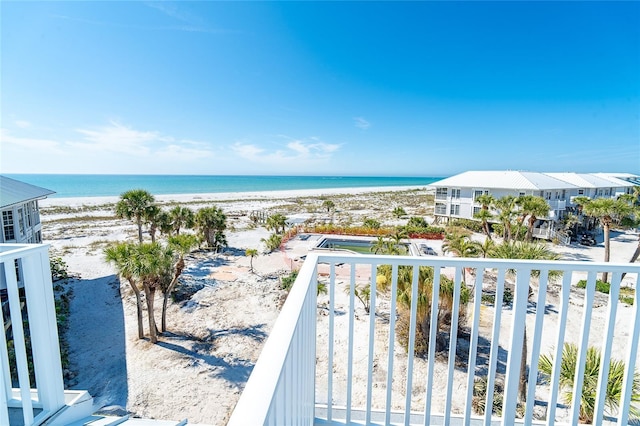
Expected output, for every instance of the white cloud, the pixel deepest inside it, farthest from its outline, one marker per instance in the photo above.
(295, 152)
(118, 138)
(23, 124)
(25, 142)
(113, 148)
(361, 123)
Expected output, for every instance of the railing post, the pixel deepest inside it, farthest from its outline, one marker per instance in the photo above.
(43, 329)
(515, 347)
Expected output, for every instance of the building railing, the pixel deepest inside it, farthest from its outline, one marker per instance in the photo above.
(363, 365)
(29, 345)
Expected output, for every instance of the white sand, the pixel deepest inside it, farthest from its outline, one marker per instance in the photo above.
(197, 371)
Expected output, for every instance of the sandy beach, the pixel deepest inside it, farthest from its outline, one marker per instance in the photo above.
(198, 369)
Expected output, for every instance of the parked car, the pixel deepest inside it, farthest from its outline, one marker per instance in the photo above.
(425, 249)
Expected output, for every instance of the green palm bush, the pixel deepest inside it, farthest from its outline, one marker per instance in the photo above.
(589, 388)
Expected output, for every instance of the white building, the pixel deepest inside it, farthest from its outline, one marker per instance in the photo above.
(455, 197)
(20, 214)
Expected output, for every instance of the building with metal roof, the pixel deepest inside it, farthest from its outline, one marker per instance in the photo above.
(455, 197)
(20, 212)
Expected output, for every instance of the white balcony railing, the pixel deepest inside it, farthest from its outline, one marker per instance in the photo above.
(347, 367)
(30, 336)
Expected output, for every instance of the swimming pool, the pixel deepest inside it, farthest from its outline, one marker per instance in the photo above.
(362, 246)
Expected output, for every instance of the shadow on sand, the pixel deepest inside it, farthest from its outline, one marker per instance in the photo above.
(232, 369)
(96, 338)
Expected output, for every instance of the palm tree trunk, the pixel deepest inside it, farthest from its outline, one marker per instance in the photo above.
(172, 284)
(522, 385)
(532, 221)
(136, 290)
(165, 301)
(139, 222)
(150, 293)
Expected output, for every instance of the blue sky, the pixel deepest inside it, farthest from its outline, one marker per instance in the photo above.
(319, 88)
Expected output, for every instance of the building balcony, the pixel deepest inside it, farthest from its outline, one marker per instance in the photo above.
(329, 362)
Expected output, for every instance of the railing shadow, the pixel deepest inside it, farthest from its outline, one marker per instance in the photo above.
(97, 342)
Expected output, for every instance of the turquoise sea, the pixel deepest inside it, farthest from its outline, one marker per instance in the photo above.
(113, 185)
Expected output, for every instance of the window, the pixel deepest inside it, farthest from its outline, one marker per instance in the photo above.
(547, 195)
(441, 208)
(557, 195)
(522, 194)
(38, 237)
(580, 191)
(455, 209)
(479, 192)
(476, 210)
(441, 193)
(29, 208)
(564, 194)
(21, 227)
(455, 193)
(7, 225)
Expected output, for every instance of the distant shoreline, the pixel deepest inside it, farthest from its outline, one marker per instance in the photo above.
(72, 186)
(226, 196)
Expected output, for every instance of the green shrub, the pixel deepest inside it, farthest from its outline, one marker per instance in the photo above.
(472, 225)
(287, 281)
(601, 286)
(58, 269)
(627, 295)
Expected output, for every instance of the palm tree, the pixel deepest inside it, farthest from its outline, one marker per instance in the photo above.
(273, 242)
(589, 388)
(152, 267)
(484, 214)
(396, 241)
(533, 207)
(380, 245)
(251, 253)
(329, 205)
(399, 212)
(120, 256)
(180, 245)
(134, 205)
(181, 217)
(212, 223)
(506, 207)
(152, 218)
(276, 222)
(423, 311)
(531, 251)
(608, 211)
(462, 246)
(485, 248)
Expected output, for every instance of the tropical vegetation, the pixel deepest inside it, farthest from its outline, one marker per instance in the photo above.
(211, 223)
(587, 397)
(135, 204)
(608, 211)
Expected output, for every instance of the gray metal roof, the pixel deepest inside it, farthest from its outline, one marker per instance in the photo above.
(503, 179)
(619, 181)
(15, 192)
(584, 180)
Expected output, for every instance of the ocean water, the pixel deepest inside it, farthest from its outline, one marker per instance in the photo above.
(114, 185)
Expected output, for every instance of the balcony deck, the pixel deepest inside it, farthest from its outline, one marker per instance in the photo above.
(335, 364)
